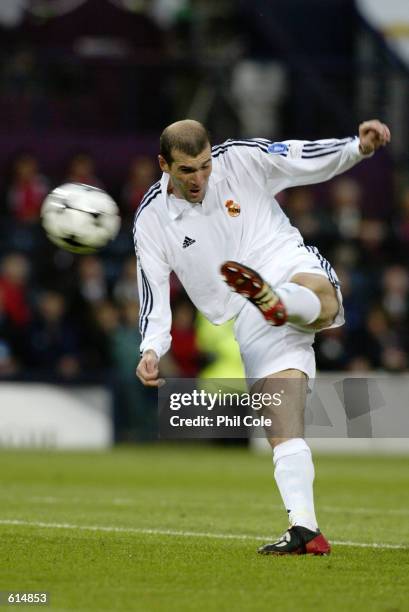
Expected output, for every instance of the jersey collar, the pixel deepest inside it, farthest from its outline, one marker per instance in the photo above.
(177, 206)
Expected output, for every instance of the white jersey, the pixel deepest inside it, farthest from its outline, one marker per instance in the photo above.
(239, 219)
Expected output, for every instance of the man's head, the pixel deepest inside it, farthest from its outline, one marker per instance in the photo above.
(185, 154)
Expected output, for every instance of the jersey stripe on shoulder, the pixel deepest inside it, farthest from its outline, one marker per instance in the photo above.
(259, 143)
(153, 192)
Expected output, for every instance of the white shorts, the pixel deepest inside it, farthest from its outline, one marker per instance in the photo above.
(265, 349)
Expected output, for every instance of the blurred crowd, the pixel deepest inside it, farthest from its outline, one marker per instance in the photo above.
(370, 258)
(74, 318)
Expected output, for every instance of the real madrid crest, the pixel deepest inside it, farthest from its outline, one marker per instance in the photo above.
(233, 208)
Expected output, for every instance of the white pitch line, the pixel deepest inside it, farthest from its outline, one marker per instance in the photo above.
(187, 534)
(358, 510)
(132, 502)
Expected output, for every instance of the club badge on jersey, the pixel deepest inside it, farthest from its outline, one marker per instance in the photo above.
(233, 208)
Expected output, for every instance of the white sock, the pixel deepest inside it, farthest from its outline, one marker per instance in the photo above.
(294, 475)
(303, 305)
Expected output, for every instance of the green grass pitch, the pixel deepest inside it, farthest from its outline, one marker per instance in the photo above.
(148, 529)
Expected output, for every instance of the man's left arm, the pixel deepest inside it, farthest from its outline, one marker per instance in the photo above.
(296, 162)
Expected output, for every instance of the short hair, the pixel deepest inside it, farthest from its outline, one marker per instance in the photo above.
(188, 136)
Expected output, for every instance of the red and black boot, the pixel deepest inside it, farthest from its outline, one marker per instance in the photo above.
(251, 285)
(298, 541)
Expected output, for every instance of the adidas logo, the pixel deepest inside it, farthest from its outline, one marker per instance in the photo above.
(187, 242)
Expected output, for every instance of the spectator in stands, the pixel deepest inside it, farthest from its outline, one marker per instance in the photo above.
(125, 289)
(53, 338)
(127, 338)
(142, 173)
(345, 197)
(100, 325)
(8, 364)
(395, 285)
(346, 255)
(185, 351)
(395, 359)
(81, 169)
(14, 276)
(377, 335)
(355, 292)
(27, 189)
(8, 339)
(92, 282)
(380, 342)
(332, 349)
(312, 221)
(175, 287)
(221, 351)
(135, 405)
(359, 364)
(373, 242)
(93, 312)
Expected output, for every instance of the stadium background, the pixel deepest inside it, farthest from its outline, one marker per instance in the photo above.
(87, 87)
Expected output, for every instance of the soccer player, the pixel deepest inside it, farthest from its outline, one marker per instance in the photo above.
(212, 218)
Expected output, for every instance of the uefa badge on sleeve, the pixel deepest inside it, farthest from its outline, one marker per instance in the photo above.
(233, 208)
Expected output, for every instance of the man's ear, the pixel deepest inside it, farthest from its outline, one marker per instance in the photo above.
(163, 164)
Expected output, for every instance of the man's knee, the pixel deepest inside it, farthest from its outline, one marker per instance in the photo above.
(329, 308)
(327, 295)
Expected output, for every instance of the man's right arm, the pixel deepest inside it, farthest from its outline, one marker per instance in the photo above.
(155, 315)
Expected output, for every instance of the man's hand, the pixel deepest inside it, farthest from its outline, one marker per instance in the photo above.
(148, 370)
(372, 135)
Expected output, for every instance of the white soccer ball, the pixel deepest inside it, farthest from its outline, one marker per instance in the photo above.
(80, 218)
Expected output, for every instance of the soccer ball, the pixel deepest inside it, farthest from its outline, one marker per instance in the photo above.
(80, 218)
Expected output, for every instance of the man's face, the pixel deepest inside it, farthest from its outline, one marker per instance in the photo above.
(188, 175)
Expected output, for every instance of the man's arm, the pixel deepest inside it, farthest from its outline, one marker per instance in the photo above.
(155, 315)
(296, 162)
